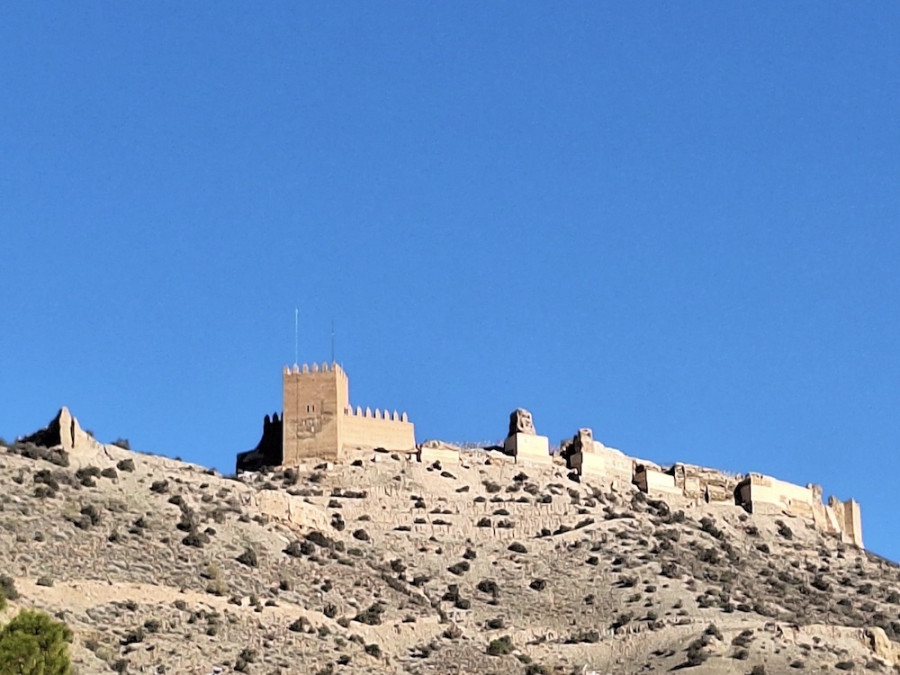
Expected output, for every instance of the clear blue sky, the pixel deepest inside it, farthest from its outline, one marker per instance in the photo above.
(676, 223)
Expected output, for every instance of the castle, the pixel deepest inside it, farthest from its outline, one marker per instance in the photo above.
(317, 421)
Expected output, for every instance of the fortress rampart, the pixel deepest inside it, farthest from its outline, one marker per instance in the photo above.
(688, 483)
(318, 422)
(764, 494)
(364, 429)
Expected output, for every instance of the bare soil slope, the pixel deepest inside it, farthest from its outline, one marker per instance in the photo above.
(382, 564)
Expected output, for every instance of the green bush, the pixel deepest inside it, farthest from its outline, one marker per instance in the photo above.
(125, 465)
(34, 644)
(249, 558)
(501, 646)
(7, 589)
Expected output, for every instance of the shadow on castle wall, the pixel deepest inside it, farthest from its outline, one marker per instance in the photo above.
(268, 452)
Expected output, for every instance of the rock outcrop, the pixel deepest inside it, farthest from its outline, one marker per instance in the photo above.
(65, 432)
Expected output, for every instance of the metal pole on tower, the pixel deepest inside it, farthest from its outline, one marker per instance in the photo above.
(296, 335)
(332, 340)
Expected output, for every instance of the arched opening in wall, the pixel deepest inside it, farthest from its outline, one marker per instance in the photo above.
(706, 494)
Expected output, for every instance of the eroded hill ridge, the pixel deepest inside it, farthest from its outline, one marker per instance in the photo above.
(432, 560)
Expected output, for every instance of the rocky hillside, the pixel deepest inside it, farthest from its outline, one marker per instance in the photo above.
(383, 564)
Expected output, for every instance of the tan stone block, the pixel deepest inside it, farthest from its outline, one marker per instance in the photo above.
(438, 452)
(528, 448)
(318, 421)
(655, 482)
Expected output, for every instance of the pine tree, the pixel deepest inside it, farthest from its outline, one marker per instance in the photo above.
(34, 644)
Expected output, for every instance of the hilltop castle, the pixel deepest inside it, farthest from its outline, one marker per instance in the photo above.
(318, 421)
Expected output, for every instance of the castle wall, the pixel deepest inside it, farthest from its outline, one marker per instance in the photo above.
(288, 508)
(765, 494)
(849, 518)
(703, 484)
(655, 482)
(314, 400)
(380, 430)
(826, 519)
(853, 522)
(607, 463)
(431, 452)
(688, 481)
(269, 450)
(528, 448)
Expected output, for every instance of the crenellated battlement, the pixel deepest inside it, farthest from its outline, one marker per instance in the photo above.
(318, 420)
(313, 369)
(368, 414)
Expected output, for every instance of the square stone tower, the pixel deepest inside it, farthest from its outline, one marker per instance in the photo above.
(314, 400)
(318, 422)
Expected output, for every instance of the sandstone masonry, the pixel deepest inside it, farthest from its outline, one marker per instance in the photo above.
(318, 422)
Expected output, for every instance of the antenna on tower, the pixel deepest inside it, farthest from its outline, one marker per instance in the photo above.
(332, 341)
(296, 335)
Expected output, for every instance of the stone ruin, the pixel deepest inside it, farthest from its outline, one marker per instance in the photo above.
(587, 457)
(692, 485)
(64, 432)
(582, 455)
(697, 485)
(521, 422)
(522, 441)
(763, 494)
(430, 452)
(574, 450)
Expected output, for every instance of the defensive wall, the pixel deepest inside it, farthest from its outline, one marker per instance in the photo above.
(589, 459)
(764, 494)
(362, 429)
(313, 394)
(318, 422)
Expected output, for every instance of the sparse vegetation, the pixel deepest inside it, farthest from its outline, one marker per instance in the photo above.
(125, 465)
(585, 566)
(500, 646)
(249, 558)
